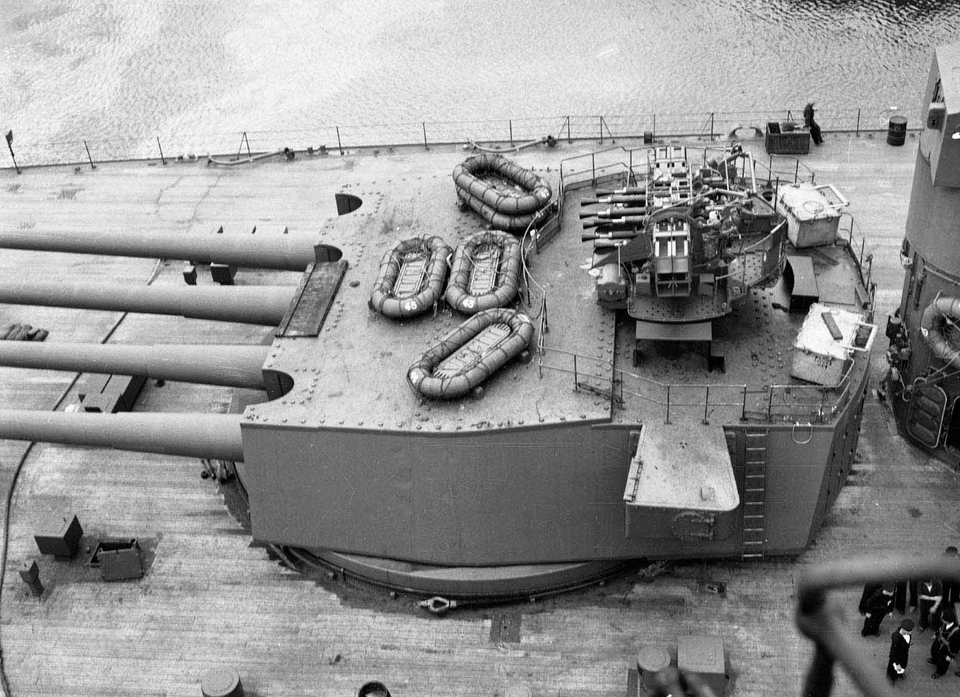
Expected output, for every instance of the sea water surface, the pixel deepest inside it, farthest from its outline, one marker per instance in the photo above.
(129, 71)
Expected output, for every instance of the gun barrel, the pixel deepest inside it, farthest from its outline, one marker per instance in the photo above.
(618, 235)
(626, 190)
(230, 366)
(632, 200)
(214, 436)
(265, 305)
(282, 252)
(615, 223)
(619, 212)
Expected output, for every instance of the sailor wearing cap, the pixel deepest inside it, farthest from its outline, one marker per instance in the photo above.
(947, 643)
(899, 651)
(877, 607)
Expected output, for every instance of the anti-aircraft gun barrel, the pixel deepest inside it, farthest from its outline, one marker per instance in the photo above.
(630, 200)
(230, 366)
(625, 222)
(614, 212)
(281, 252)
(213, 436)
(264, 305)
(617, 235)
(622, 190)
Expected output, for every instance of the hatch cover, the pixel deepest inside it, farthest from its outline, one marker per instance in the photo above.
(684, 467)
(505, 626)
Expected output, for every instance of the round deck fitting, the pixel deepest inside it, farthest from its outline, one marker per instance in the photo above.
(221, 682)
(651, 661)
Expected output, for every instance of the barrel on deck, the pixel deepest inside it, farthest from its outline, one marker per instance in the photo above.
(897, 130)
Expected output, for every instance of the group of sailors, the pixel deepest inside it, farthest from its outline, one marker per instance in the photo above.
(935, 601)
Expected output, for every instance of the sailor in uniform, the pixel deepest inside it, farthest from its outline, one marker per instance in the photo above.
(809, 122)
(931, 597)
(947, 643)
(899, 651)
(877, 607)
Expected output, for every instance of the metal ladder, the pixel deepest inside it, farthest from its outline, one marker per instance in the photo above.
(754, 493)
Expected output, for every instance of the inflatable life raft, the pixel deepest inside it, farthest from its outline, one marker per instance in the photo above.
(933, 326)
(470, 354)
(411, 277)
(504, 209)
(485, 272)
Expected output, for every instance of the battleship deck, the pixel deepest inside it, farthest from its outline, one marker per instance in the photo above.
(211, 598)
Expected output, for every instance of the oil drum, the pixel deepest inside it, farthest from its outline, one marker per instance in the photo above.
(897, 130)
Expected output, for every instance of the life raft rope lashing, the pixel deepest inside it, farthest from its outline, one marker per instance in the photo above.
(515, 224)
(470, 354)
(410, 280)
(485, 272)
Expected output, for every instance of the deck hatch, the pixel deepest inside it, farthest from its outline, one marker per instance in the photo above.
(505, 627)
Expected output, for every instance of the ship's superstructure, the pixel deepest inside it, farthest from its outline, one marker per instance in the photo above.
(924, 355)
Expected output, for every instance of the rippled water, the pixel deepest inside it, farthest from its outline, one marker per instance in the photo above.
(75, 69)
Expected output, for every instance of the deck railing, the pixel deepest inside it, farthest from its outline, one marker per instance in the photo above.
(849, 233)
(84, 149)
(618, 163)
(783, 169)
(638, 394)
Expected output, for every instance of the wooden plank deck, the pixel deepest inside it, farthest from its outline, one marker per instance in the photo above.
(212, 597)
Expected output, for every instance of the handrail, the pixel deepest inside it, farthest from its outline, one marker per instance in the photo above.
(786, 176)
(813, 403)
(855, 235)
(339, 138)
(818, 616)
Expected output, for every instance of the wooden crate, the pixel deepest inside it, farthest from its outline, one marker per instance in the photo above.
(780, 142)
